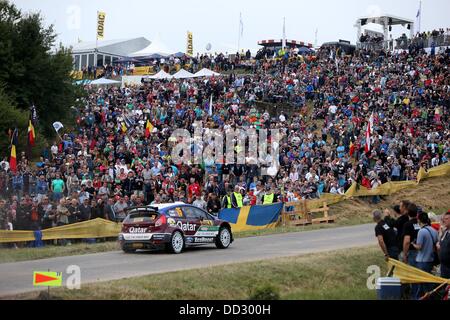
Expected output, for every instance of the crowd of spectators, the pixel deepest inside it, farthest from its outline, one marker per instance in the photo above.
(100, 169)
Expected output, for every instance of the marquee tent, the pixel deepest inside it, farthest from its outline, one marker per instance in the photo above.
(160, 75)
(104, 81)
(183, 74)
(206, 73)
(156, 49)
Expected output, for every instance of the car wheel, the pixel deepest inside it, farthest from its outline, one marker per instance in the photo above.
(223, 239)
(176, 244)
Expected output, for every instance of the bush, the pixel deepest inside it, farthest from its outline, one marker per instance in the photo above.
(266, 292)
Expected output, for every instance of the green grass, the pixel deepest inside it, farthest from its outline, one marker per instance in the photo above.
(330, 275)
(22, 254)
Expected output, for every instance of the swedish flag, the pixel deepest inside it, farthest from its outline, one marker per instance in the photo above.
(252, 218)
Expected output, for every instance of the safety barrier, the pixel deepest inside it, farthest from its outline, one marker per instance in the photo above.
(408, 274)
(298, 214)
(97, 228)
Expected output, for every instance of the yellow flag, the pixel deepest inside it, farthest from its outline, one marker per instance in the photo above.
(101, 16)
(124, 127)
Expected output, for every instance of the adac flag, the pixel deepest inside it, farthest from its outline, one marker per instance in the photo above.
(252, 218)
(148, 129)
(31, 134)
(13, 158)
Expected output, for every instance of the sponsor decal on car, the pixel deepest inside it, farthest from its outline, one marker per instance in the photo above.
(209, 228)
(171, 222)
(186, 226)
(137, 230)
(203, 240)
(189, 240)
(137, 236)
(207, 231)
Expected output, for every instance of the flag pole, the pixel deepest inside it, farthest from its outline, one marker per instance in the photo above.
(239, 32)
(96, 48)
(420, 15)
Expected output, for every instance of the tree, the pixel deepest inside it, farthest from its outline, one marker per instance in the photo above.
(32, 70)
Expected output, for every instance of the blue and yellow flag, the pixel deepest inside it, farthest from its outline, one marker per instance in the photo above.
(252, 218)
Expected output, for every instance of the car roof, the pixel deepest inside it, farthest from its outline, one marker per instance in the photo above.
(167, 206)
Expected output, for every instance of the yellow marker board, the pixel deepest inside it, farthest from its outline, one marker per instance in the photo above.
(47, 279)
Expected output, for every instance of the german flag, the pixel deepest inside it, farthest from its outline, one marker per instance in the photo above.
(31, 133)
(13, 158)
(148, 129)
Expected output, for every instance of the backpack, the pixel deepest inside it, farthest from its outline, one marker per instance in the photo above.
(436, 260)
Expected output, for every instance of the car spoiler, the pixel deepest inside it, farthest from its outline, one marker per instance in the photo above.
(141, 208)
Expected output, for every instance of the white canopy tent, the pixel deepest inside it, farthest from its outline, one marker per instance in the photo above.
(156, 49)
(104, 81)
(206, 73)
(183, 74)
(160, 75)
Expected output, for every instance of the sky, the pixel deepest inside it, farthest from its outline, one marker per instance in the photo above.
(217, 22)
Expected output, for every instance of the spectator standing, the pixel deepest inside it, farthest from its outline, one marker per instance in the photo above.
(427, 238)
(386, 236)
(444, 246)
(58, 188)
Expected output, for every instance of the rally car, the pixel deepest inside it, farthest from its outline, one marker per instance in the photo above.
(172, 226)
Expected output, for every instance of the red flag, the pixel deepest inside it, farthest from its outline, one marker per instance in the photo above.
(369, 131)
(352, 148)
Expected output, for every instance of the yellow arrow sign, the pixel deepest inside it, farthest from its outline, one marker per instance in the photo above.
(47, 279)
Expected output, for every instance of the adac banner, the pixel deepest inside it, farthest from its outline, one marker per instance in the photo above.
(101, 16)
(190, 44)
(252, 218)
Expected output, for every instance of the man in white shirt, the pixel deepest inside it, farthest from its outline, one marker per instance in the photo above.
(332, 109)
(54, 149)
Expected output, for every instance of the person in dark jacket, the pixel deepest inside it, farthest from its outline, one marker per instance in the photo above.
(443, 246)
(85, 210)
(213, 205)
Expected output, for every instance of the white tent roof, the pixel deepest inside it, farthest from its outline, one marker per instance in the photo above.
(161, 75)
(156, 47)
(206, 73)
(183, 74)
(103, 81)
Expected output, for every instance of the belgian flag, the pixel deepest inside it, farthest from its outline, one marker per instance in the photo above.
(148, 129)
(31, 133)
(13, 157)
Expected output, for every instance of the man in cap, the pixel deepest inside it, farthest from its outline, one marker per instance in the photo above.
(236, 198)
(269, 196)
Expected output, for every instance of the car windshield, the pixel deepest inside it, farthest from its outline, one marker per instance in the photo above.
(144, 216)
